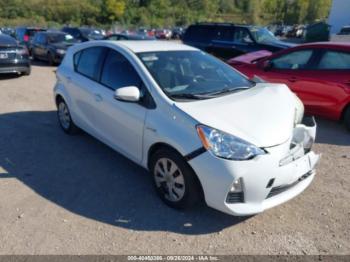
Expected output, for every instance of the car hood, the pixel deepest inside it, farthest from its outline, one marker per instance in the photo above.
(279, 44)
(250, 57)
(263, 115)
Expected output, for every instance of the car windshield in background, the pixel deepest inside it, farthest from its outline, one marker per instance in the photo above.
(192, 75)
(92, 33)
(262, 35)
(61, 38)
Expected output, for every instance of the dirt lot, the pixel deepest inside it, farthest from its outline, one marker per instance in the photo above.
(74, 195)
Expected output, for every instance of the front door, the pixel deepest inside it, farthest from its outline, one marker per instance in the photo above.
(121, 124)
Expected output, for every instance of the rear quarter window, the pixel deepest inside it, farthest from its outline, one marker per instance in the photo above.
(200, 33)
(335, 60)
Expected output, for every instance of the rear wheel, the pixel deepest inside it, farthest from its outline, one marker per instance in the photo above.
(347, 118)
(175, 181)
(50, 59)
(65, 118)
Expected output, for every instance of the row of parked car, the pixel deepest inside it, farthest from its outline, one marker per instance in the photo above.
(205, 131)
(319, 73)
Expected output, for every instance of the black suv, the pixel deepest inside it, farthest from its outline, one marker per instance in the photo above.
(226, 40)
(50, 46)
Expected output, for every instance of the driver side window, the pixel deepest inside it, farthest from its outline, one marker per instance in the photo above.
(293, 61)
(118, 72)
(242, 36)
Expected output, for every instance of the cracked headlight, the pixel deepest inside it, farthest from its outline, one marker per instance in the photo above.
(299, 111)
(227, 146)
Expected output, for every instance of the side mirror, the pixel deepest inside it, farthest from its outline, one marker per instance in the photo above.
(128, 94)
(257, 79)
(267, 65)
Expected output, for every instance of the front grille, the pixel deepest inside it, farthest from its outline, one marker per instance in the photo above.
(280, 189)
(235, 198)
(10, 51)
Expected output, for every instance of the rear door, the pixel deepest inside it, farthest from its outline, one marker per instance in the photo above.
(82, 86)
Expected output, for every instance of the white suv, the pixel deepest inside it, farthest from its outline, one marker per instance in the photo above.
(203, 130)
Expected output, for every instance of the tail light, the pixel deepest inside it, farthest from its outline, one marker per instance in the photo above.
(26, 38)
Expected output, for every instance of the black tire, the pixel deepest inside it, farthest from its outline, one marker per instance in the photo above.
(34, 58)
(69, 127)
(347, 118)
(192, 189)
(27, 73)
(50, 59)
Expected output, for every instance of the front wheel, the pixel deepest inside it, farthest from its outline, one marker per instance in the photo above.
(347, 118)
(65, 118)
(27, 73)
(175, 181)
(50, 59)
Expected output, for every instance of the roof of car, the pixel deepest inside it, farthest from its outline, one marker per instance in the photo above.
(152, 46)
(327, 44)
(222, 24)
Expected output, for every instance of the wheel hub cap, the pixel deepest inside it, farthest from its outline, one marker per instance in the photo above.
(63, 115)
(169, 179)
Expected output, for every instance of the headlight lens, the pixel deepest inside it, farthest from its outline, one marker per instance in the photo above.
(299, 111)
(227, 146)
(61, 51)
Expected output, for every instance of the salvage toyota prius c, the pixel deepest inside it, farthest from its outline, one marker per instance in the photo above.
(204, 131)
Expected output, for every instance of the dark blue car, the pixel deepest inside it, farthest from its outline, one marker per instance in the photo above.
(226, 40)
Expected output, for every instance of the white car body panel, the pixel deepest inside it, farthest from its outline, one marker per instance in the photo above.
(263, 115)
(268, 127)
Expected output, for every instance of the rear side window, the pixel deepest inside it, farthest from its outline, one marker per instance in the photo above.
(335, 60)
(118, 72)
(224, 33)
(89, 62)
(200, 33)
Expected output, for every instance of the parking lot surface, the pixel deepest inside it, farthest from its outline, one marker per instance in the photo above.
(73, 195)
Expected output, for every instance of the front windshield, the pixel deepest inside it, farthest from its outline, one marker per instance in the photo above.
(61, 38)
(192, 74)
(262, 35)
(92, 33)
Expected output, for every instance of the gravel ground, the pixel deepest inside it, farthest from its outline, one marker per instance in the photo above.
(74, 195)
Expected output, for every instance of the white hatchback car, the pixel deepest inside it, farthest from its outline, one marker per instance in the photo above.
(203, 130)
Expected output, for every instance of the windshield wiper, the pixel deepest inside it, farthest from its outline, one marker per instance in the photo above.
(224, 91)
(190, 96)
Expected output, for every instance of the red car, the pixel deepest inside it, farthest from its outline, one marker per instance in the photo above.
(319, 73)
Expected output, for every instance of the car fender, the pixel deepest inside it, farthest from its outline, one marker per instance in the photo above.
(171, 127)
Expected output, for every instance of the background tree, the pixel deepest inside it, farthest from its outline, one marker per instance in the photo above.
(160, 13)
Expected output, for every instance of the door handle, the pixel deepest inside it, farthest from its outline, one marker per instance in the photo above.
(293, 79)
(98, 98)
